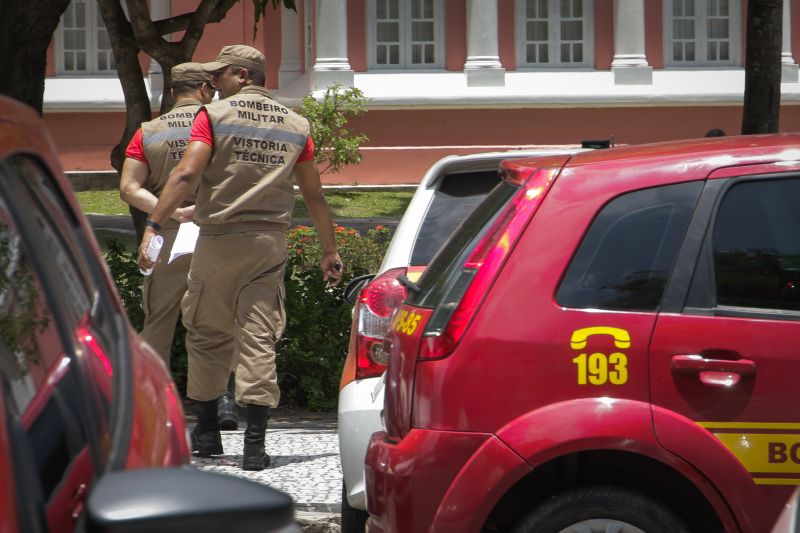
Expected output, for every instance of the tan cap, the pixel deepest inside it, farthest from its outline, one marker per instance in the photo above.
(238, 55)
(189, 72)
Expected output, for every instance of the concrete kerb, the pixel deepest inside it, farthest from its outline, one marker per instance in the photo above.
(109, 180)
(103, 180)
(314, 522)
(123, 223)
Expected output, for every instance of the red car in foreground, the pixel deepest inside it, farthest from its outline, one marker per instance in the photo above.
(610, 342)
(92, 433)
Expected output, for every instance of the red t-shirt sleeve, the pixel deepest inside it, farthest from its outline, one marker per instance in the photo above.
(135, 149)
(201, 129)
(308, 151)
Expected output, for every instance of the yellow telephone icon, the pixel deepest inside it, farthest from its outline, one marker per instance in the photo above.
(599, 368)
(622, 338)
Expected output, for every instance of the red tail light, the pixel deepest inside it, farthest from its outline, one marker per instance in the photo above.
(485, 261)
(375, 305)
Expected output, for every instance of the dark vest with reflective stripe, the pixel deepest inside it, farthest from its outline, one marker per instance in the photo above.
(249, 180)
(165, 138)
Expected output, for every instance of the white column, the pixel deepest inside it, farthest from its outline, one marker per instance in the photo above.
(483, 67)
(331, 65)
(630, 62)
(290, 47)
(159, 9)
(789, 69)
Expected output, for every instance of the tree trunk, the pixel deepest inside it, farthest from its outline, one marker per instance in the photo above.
(762, 85)
(137, 101)
(26, 29)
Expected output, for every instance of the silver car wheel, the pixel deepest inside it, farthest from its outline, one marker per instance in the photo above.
(601, 525)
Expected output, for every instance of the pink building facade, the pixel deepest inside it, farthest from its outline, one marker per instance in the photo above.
(454, 76)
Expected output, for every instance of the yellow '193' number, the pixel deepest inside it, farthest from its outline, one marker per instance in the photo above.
(598, 368)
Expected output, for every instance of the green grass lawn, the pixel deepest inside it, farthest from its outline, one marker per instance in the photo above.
(343, 204)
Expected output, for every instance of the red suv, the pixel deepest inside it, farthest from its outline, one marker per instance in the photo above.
(610, 342)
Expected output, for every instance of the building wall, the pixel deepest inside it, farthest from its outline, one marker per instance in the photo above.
(408, 132)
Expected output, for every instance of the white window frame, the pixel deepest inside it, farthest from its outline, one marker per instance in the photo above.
(554, 37)
(91, 50)
(405, 37)
(701, 40)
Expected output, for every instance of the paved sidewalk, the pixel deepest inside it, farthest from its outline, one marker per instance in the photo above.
(304, 452)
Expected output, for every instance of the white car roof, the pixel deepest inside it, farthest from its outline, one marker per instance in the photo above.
(399, 251)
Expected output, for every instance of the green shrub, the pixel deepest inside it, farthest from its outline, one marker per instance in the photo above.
(314, 344)
(335, 146)
(125, 272)
(311, 352)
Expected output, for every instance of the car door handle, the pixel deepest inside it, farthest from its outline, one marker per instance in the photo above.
(714, 372)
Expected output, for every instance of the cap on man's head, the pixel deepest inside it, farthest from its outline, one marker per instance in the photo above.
(189, 72)
(238, 55)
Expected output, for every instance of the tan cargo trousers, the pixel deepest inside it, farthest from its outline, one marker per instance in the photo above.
(162, 292)
(233, 312)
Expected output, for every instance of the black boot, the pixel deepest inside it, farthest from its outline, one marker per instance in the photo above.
(226, 409)
(255, 456)
(206, 440)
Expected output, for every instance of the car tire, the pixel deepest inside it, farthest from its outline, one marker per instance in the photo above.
(353, 520)
(601, 509)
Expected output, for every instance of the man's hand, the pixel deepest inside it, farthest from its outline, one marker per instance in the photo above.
(144, 261)
(183, 214)
(331, 265)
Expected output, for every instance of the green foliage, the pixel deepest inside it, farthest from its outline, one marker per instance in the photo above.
(343, 204)
(334, 144)
(125, 272)
(128, 279)
(260, 7)
(24, 315)
(102, 202)
(314, 344)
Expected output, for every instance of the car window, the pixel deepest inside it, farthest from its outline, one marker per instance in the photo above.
(443, 271)
(455, 198)
(62, 345)
(626, 256)
(756, 245)
(40, 382)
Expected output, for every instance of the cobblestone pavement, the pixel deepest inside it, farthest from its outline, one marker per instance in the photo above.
(304, 463)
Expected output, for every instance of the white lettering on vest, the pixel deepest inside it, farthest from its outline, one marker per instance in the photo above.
(245, 142)
(258, 117)
(177, 115)
(259, 106)
(254, 157)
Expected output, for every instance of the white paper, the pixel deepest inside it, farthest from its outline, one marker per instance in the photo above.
(153, 250)
(184, 241)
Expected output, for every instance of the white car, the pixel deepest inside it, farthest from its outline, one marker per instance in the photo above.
(449, 192)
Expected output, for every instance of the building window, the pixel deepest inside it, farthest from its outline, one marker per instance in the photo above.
(555, 33)
(405, 34)
(82, 42)
(702, 32)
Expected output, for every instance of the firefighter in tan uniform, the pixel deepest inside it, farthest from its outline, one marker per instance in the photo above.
(155, 149)
(246, 151)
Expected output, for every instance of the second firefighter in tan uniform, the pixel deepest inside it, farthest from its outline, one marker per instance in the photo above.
(156, 149)
(249, 150)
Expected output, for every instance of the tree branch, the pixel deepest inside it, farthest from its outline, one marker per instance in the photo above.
(208, 11)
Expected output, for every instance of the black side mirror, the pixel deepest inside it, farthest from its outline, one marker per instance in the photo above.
(355, 286)
(185, 499)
